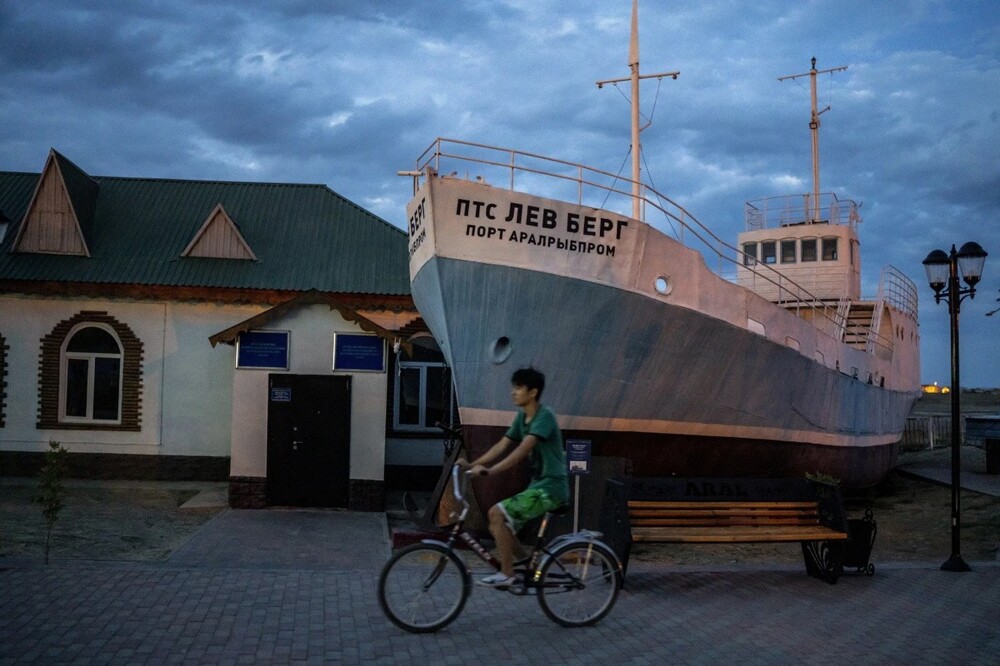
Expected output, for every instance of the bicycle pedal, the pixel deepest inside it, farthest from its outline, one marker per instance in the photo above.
(521, 590)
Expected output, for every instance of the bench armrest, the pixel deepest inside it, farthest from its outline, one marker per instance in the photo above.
(830, 505)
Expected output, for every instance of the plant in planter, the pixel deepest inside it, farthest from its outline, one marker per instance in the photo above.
(821, 477)
(52, 492)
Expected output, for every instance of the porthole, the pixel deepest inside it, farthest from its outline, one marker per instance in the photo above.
(501, 349)
(663, 285)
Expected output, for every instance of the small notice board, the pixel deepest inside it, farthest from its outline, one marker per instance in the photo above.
(578, 456)
(358, 352)
(265, 350)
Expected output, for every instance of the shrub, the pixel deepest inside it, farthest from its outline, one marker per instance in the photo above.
(51, 491)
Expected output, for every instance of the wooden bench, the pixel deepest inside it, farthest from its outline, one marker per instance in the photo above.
(699, 510)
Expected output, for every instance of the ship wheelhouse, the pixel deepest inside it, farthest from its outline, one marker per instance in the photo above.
(794, 252)
(784, 243)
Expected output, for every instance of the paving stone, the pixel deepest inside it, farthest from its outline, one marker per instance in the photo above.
(205, 610)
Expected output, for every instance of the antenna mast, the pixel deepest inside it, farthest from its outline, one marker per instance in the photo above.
(633, 63)
(814, 127)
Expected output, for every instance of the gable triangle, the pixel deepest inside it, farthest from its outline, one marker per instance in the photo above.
(219, 238)
(60, 209)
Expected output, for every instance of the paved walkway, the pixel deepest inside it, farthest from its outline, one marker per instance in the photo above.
(280, 586)
(935, 465)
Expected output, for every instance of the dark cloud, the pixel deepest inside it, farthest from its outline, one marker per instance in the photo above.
(347, 93)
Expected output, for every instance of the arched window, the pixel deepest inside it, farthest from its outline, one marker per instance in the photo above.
(91, 375)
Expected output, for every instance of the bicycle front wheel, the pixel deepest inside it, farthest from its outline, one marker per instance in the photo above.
(579, 583)
(423, 587)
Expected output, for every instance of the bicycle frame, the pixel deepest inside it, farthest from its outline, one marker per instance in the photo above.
(540, 551)
(575, 577)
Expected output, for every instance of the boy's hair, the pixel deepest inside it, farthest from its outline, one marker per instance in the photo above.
(530, 379)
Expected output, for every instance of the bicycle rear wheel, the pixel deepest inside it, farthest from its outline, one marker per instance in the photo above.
(423, 587)
(579, 583)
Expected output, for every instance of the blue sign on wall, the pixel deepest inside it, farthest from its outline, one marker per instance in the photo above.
(262, 349)
(358, 352)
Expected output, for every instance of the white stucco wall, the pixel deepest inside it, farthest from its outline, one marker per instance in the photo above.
(311, 337)
(186, 384)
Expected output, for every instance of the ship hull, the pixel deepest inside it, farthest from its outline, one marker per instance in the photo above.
(666, 455)
(672, 390)
(702, 378)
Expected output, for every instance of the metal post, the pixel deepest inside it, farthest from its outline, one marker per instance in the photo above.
(955, 562)
(576, 504)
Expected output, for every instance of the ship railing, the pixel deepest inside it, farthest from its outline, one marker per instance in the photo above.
(577, 181)
(795, 209)
(843, 309)
(897, 291)
(876, 343)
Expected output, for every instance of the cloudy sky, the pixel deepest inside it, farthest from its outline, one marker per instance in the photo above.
(347, 93)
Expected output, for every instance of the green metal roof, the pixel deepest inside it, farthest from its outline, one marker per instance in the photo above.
(305, 236)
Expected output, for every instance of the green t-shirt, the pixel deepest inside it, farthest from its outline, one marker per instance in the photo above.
(547, 457)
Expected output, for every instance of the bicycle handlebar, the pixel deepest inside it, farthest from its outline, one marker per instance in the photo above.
(460, 483)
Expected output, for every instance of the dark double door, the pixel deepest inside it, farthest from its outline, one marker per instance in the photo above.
(308, 440)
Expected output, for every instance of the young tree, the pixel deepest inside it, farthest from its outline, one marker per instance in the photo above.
(52, 492)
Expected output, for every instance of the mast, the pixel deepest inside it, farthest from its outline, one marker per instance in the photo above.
(633, 65)
(633, 79)
(814, 128)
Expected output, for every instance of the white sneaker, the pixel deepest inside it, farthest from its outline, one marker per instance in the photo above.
(497, 580)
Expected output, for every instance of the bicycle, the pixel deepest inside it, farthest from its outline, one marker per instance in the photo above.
(424, 587)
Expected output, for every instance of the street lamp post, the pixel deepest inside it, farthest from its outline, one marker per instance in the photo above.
(942, 274)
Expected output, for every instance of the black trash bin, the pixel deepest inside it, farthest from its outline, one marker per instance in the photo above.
(861, 539)
(992, 447)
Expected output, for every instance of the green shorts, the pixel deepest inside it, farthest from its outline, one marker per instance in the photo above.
(524, 506)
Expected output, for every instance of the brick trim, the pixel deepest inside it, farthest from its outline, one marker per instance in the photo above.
(48, 375)
(367, 495)
(121, 466)
(247, 492)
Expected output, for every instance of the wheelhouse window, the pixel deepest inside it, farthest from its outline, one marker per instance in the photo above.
(91, 376)
(768, 252)
(749, 254)
(788, 251)
(829, 249)
(423, 396)
(808, 249)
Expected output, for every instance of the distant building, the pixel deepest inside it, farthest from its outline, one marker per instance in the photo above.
(182, 329)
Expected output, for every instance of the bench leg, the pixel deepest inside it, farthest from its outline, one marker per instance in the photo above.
(824, 559)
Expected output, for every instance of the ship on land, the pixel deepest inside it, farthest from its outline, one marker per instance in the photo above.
(772, 365)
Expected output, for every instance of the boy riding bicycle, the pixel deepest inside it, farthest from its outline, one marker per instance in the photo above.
(538, 438)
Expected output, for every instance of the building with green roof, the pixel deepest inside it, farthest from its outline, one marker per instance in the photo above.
(187, 329)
